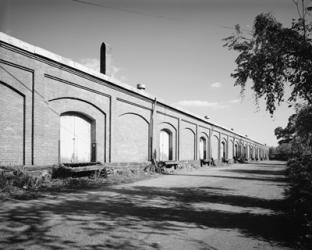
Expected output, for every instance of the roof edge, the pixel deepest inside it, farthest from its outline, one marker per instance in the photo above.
(77, 66)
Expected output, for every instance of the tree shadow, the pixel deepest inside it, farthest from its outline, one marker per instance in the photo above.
(263, 164)
(144, 210)
(267, 179)
(256, 171)
(133, 217)
(201, 195)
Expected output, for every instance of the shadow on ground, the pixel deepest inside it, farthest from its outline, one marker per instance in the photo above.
(252, 178)
(257, 171)
(143, 210)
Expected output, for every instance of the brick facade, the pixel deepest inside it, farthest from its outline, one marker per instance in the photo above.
(37, 87)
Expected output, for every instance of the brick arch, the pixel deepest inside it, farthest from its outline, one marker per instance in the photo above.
(223, 148)
(65, 105)
(77, 99)
(235, 147)
(187, 144)
(203, 146)
(251, 151)
(171, 129)
(131, 138)
(12, 125)
(204, 134)
(190, 129)
(135, 114)
(171, 126)
(165, 145)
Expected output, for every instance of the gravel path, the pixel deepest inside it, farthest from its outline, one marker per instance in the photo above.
(233, 207)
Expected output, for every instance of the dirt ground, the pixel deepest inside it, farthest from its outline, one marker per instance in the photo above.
(233, 207)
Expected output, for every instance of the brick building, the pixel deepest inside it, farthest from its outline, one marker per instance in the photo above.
(54, 110)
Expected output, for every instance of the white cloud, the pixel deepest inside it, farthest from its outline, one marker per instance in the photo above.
(235, 101)
(216, 85)
(114, 71)
(199, 103)
(92, 63)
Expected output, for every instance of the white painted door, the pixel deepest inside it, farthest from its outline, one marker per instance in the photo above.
(223, 150)
(164, 145)
(202, 148)
(236, 150)
(75, 139)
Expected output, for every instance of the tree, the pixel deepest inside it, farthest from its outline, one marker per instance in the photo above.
(303, 127)
(298, 132)
(286, 135)
(272, 57)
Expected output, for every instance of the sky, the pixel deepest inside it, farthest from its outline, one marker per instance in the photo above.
(174, 47)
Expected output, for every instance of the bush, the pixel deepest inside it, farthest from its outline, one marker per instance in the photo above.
(12, 181)
(299, 194)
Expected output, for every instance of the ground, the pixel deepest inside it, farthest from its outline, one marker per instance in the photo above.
(232, 207)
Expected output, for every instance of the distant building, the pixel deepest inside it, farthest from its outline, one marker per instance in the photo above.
(53, 110)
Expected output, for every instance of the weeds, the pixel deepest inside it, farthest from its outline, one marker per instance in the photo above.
(19, 179)
(21, 184)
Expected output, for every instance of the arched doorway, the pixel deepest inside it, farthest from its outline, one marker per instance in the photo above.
(202, 148)
(236, 150)
(75, 138)
(223, 150)
(165, 145)
(245, 152)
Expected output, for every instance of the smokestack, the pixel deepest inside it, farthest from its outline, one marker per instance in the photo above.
(105, 59)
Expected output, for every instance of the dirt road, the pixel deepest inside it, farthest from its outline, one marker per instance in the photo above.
(234, 207)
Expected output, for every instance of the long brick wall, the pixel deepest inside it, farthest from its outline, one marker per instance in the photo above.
(37, 87)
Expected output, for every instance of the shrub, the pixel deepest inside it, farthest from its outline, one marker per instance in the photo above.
(9, 180)
(299, 194)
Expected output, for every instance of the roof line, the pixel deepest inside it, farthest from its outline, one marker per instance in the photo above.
(77, 66)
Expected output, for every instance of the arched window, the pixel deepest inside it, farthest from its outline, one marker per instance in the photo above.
(165, 145)
(75, 138)
(202, 148)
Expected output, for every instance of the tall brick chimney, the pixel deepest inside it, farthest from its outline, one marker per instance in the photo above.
(105, 59)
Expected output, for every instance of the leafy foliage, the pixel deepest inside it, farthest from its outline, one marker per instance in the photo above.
(273, 56)
(304, 126)
(274, 59)
(285, 135)
(298, 132)
(300, 196)
(282, 152)
(20, 179)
